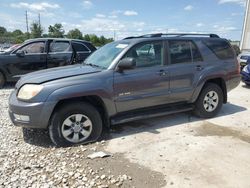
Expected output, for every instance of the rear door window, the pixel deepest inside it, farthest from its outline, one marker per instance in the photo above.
(60, 46)
(220, 48)
(182, 51)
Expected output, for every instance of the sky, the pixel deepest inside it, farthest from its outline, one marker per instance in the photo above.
(122, 18)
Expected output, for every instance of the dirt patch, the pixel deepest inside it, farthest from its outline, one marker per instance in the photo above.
(210, 129)
(117, 165)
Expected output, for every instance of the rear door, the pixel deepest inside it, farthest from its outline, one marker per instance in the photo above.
(34, 59)
(185, 61)
(147, 84)
(81, 51)
(59, 53)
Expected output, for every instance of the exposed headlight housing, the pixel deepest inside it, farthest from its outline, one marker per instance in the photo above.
(28, 91)
(245, 69)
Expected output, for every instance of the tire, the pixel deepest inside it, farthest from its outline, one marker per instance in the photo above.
(2, 80)
(74, 124)
(209, 101)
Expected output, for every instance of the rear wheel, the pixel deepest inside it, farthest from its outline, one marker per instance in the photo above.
(76, 123)
(2, 80)
(209, 102)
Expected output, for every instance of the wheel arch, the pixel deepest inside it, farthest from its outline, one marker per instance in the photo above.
(218, 81)
(94, 100)
(4, 78)
(1, 71)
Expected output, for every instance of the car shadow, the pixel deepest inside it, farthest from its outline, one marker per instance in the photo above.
(246, 86)
(37, 137)
(154, 124)
(10, 85)
(41, 137)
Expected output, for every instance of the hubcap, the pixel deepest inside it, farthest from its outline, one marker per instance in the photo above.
(211, 101)
(76, 128)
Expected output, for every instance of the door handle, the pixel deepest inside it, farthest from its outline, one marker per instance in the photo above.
(199, 68)
(162, 73)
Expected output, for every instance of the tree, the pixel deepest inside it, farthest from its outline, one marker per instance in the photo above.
(56, 30)
(75, 34)
(86, 37)
(2, 31)
(17, 33)
(36, 30)
(97, 41)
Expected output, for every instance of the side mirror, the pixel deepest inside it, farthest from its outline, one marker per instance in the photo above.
(20, 53)
(127, 63)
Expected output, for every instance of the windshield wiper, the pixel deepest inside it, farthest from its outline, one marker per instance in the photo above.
(94, 65)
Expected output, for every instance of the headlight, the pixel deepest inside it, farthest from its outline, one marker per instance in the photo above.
(245, 69)
(28, 91)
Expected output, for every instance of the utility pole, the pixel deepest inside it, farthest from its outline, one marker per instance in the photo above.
(27, 24)
(245, 39)
(39, 20)
(114, 34)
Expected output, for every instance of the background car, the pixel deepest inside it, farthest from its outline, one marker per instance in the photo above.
(244, 59)
(44, 53)
(12, 48)
(246, 74)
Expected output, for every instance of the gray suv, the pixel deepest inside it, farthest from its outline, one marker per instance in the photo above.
(127, 80)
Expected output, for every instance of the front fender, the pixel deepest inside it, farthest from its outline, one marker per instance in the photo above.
(82, 90)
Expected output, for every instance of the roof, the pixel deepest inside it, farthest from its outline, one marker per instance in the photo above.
(58, 39)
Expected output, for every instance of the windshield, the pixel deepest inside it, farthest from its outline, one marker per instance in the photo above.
(104, 56)
(12, 48)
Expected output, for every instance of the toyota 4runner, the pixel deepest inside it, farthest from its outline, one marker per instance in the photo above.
(127, 80)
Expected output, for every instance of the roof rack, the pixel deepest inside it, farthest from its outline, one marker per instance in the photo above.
(173, 34)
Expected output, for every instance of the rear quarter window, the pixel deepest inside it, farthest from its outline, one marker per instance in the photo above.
(220, 48)
(79, 47)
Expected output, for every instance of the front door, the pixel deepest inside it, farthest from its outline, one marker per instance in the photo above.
(33, 59)
(147, 84)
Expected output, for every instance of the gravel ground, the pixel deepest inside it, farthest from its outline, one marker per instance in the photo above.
(29, 159)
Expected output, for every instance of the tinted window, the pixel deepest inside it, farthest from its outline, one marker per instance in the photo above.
(180, 52)
(78, 47)
(183, 52)
(149, 54)
(220, 48)
(33, 48)
(59, 46)
(195, 53)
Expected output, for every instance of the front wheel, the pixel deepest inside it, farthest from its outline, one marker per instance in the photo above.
(76, 123)
(209, 102)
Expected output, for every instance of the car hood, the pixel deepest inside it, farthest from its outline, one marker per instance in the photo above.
(4, 53)
(47, 75)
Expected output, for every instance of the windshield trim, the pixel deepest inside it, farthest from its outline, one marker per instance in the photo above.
(116, 58)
